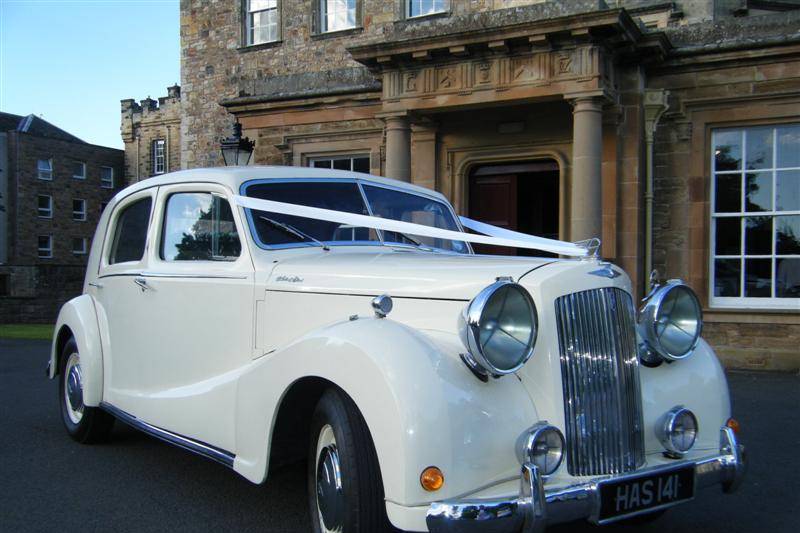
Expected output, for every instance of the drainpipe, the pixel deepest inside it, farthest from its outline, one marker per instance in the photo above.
(655, 103)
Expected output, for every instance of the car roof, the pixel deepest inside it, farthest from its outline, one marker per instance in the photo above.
(234, 177)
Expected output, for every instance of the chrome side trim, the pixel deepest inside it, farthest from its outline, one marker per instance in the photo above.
(192, 276)
(200, 448)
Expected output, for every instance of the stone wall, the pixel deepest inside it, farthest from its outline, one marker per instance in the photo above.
(147, 121)
(217, 66)
(710, 91)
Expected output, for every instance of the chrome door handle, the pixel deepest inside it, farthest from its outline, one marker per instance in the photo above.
(96, 285)
(142, 283)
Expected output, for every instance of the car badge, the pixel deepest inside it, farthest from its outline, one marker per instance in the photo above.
(606, 272)
(289, 279)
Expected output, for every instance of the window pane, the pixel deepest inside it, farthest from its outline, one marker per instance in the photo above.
(728, 238)
(342, 164)
(787, 278)
(788, 146)
(726, 277)
(199, 227)
(758, 278)
(44, 202)
(758, 236)
(325, 163)
(758, 191)
(337, 196)
(787, 196)
(728, 150)
(257, 5)
(787, 234)
(406, 207)
(728, 193)
(361, 164)
(79, 170)
(759, 148)
(131, 232)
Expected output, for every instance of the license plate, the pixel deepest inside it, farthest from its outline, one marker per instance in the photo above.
(630, 496)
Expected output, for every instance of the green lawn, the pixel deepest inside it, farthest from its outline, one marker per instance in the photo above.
(26, 331)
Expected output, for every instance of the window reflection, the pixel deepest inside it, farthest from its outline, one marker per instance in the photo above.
(199, 227)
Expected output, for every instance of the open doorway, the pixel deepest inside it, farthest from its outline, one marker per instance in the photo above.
(517, 196)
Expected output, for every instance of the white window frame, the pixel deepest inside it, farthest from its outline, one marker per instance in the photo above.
(44, 213)
(44, 173)
(248, 22)
(159, 153)
(323, 7)
(84, 246)
(331, 158)
(79, 215)
(747, 302)
(107, 183)
(47, 252)
(82, 176)
(409, 5)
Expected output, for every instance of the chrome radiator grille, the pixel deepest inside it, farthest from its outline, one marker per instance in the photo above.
(600, 375)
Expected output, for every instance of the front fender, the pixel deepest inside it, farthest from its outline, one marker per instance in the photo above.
(79, 319)
(422, 405)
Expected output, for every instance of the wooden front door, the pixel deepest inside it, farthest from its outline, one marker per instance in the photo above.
(493, 199)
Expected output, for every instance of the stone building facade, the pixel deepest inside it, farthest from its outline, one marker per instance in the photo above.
(151, 133)
(54, 189)
(627, 120)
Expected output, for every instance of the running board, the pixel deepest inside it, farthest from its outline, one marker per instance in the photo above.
(200, 448)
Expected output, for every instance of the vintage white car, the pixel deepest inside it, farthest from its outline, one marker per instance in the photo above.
(257, 315)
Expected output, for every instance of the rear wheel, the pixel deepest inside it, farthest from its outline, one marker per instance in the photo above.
(344, 481)
(84, 424)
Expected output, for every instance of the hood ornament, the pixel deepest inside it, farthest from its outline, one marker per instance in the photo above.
(607, 271)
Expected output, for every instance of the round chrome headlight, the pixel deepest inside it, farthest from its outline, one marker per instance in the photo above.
(678, 431)
(671, 321)
(544, 447)
(499, 328)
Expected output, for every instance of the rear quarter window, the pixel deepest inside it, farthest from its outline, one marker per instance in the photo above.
(130, 233)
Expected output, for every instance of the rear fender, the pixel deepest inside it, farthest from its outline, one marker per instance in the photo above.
(78, 319)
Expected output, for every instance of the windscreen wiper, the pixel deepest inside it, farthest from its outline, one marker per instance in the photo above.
(293, 232)
(415, 242)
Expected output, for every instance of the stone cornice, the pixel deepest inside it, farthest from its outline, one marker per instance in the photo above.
(614, 28)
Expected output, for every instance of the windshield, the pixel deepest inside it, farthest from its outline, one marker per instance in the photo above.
(270, 229)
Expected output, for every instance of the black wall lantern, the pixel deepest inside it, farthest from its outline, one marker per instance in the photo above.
(236, 151)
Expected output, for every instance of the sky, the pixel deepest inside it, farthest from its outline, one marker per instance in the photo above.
(72, 61)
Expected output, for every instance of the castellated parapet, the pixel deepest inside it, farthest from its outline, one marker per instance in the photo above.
(151, 132)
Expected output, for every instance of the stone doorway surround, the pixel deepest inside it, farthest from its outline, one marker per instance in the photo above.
(573, 58)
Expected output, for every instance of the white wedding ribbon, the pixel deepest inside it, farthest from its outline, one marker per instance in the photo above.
(492, 235)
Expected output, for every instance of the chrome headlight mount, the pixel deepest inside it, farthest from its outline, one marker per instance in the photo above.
(670, 323)
(498, 328)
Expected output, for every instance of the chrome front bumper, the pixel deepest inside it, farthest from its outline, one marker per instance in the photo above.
(536, 507)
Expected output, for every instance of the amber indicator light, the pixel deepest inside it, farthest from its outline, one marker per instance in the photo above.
(431, 479)
(733, 424)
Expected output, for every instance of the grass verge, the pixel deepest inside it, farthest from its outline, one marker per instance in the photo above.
(42, 332)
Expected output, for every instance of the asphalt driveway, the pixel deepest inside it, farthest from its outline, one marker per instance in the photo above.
(137, 483)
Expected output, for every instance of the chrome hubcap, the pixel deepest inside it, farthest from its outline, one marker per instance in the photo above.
(330, 496)
(73, 388)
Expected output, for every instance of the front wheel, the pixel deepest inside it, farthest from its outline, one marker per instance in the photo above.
(84, 424)
(344, 481)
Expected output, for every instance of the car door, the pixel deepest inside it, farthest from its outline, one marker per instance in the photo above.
(119, 300)
(199, 286)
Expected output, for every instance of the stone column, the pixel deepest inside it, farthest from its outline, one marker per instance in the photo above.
(423, 153)
(398, 148)
(587, 147)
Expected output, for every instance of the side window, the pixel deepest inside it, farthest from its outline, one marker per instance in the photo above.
(199, 227)
(130, 235)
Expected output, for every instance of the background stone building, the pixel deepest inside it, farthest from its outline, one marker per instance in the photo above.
(669, 129)
(152, 136)
(53, 187)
